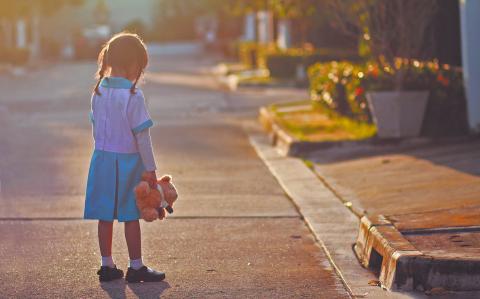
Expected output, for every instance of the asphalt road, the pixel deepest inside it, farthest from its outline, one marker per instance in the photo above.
(234, 233)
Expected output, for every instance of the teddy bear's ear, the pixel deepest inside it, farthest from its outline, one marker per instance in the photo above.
(166, 178)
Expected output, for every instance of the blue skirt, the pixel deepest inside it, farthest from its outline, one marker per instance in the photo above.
(110, 188)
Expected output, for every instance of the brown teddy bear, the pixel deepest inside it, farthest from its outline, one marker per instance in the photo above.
(152, 202)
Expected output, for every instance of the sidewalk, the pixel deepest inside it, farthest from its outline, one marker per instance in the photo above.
(416, 204)
(418, 207)
(421, 224)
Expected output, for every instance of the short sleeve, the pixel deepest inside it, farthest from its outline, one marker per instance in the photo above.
(138, 116)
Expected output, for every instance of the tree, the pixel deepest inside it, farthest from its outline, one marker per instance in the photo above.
(301, 11)
(17, 8)
(391, 29)
(22, 12)
(101, 12)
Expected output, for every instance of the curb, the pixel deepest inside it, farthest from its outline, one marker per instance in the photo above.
(379, 245)
(289, 145)
(333, 225)
(382, 247)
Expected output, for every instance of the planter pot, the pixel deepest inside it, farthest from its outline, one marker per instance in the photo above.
(398, 114)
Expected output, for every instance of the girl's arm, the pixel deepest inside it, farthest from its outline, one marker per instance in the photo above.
(144, 144)
(140, 122)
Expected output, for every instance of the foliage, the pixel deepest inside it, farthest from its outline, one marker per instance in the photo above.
(284, 63)
(342, 86)
(136, 26)
(315, 123)
(337, 86)
(294, 9)
(389, 29)
(253, 54)
(11, 9)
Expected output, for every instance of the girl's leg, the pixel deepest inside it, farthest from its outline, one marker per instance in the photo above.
(137, 272)
(108, 271)
(134, 240)
(105, 232)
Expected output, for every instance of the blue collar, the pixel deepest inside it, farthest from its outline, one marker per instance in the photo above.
(116, 82)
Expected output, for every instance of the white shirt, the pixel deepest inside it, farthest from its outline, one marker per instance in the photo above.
(121, 120)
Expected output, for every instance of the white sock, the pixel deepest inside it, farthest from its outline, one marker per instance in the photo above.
(136, 264)
(108, 261)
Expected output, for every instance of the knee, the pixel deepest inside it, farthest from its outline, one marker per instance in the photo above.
(132, 223)
(104, 223)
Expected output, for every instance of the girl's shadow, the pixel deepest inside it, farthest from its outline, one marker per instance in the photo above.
(116, 289)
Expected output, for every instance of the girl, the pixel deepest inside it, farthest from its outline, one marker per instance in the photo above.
(122, 153)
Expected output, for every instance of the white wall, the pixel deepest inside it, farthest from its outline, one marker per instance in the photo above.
(470, 14)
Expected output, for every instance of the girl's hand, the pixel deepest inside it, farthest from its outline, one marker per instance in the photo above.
(151, 178)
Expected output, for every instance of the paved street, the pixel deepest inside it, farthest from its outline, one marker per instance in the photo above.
(234, 232)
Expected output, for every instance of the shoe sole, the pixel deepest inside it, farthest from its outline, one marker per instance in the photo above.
(107, 280)
(161, 278)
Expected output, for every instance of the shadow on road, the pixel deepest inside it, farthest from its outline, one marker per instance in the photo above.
(117, 289)
(459, 154)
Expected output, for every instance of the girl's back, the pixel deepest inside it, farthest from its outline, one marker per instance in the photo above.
(117, 115)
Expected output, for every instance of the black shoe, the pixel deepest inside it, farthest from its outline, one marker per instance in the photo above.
(108, 274)
(144, 274)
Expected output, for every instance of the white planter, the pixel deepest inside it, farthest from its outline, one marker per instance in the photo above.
(398, 114)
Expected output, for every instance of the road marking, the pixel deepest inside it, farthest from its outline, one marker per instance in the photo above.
(170, 217)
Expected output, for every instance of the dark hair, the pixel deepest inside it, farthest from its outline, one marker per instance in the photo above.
(122, 52)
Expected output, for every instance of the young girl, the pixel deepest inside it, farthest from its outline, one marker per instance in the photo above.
(122, 153)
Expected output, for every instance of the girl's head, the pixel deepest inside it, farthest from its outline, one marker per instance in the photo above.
(124, 55)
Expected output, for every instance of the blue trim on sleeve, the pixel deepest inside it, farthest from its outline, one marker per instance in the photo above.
(116, 82)
(145, 125)
(90, 115)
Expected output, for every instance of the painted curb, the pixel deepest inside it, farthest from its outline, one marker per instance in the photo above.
(289, 145)
(334, 226)
(404, 268)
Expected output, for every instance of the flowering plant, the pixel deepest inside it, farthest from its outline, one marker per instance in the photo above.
(337, 85)
(343, 86)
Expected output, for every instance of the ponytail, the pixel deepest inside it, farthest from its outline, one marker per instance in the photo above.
(134, 85)
(102, 62)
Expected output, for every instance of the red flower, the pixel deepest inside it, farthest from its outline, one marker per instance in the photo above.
(374, 72)
(359, 91)
(443, 80)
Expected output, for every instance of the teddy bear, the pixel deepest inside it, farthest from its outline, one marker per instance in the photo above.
(152, 202)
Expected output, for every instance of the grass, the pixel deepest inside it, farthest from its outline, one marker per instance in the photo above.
(312, 123)
(257, 80)
(309, 164)
(253, 77)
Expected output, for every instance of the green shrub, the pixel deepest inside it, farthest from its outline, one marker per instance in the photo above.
(284, 63)
(342, 86)
(336, 85)
(253, 54)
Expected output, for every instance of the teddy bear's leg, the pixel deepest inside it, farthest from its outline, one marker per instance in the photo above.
(149, 214)
(161, 213)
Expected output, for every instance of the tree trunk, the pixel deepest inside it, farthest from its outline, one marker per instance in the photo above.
(35, 25)
(283, 38)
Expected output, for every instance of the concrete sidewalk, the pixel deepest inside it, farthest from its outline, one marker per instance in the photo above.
(420, 207)
(427, 252)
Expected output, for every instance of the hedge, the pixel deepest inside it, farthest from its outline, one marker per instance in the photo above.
(284, 64)
(342, 86)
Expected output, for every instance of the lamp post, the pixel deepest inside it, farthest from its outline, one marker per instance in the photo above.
(470, 23)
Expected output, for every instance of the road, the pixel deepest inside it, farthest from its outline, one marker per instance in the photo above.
(234, 233)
